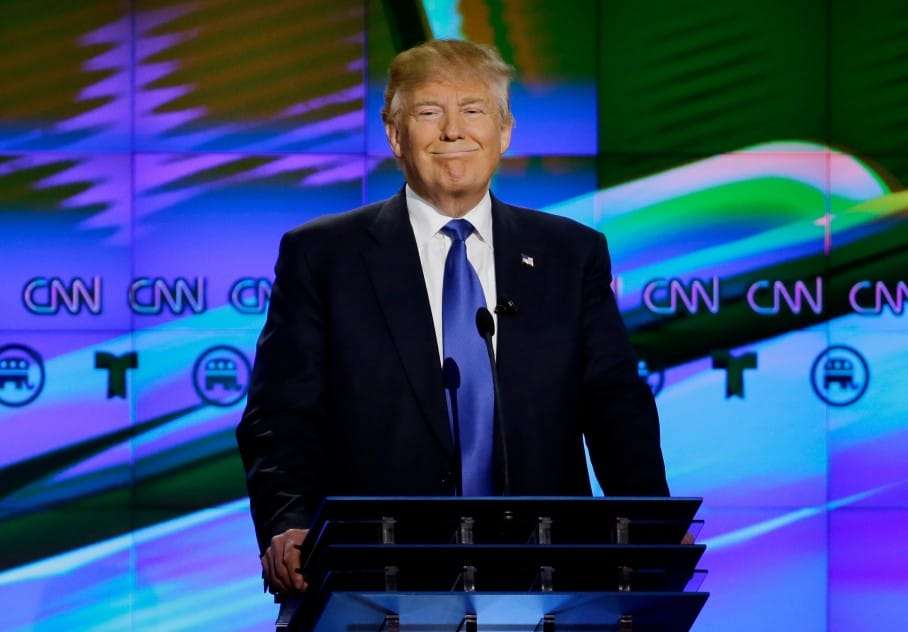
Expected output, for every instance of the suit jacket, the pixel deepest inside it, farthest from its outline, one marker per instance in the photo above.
(346, 396)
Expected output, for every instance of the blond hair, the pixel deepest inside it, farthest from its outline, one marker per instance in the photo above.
(444, 59)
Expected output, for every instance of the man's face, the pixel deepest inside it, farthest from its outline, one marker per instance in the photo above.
(450, 137)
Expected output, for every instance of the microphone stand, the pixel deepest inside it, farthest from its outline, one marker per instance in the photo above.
(485, 325)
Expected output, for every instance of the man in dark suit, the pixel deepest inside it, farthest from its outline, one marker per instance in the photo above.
(348, 393)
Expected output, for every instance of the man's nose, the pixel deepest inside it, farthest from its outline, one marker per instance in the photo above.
(451, 127)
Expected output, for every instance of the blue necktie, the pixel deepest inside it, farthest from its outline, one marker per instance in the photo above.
(471, 399)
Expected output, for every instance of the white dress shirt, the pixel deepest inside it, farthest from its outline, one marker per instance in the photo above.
(433, 246)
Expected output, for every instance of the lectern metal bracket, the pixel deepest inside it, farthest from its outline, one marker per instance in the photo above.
(467, 579)
(388, 530)
(624, 578)
(465, 530)
(622, 530)
(545, 579)
(544, 530)
(390, 624)
(392, 573)
(626, 623)
(469, 623)
(546, 624)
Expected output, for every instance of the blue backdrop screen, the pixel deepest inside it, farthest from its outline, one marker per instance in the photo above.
(745, 162)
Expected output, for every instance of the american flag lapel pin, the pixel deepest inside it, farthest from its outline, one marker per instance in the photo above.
(527, 260)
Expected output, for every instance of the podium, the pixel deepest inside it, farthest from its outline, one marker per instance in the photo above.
(458, 564)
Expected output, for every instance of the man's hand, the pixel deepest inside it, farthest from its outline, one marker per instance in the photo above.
(282, 559)
(688, 538)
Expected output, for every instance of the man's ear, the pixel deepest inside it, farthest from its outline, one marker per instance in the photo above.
(506, 130)
(393, 134)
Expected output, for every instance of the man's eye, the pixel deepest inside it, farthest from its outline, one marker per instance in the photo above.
(427, 113)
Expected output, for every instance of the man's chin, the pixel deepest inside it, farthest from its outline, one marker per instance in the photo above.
(461, 189)
(462, 183)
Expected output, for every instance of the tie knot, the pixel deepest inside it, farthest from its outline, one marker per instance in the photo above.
(457, 229)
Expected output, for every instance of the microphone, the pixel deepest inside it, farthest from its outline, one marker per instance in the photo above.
(485, 325)
(505, 307)
(450, 375)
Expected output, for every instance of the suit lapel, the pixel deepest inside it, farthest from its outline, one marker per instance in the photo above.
(516, 281)
(396, 274)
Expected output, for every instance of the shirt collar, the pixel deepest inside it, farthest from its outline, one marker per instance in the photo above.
(427, 220)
